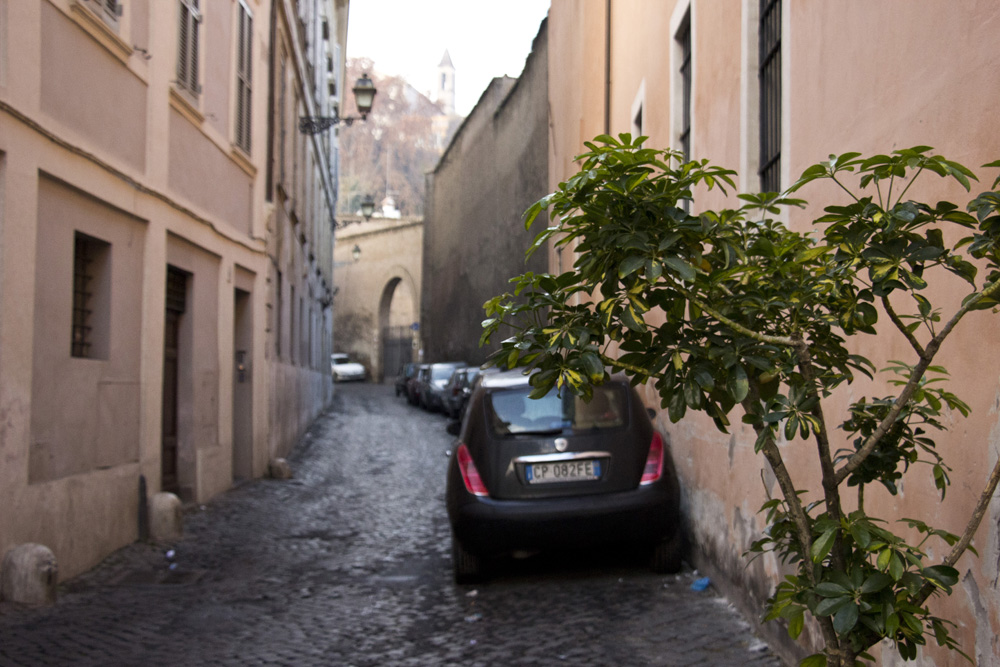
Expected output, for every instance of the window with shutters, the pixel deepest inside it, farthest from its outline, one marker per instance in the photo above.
(187, 46)
(109, 10)
(244, 46)
(769, 79)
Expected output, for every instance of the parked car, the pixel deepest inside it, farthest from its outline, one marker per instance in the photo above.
(432, 384)
(406, 372)
(414, 383)
(459, 389)
(558, 472)
(342, 368)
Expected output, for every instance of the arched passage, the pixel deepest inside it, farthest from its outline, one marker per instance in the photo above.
(397, 324)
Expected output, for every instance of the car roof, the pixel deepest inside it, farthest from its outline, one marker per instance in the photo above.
(504, 379)
(518, 378)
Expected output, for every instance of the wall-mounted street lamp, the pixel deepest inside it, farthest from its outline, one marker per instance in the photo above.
(367, 207)
(355, 257)
(364, 96)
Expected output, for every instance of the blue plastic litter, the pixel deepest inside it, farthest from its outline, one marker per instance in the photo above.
(701, 584)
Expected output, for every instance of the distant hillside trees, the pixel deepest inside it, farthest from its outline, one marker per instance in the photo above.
(389, 154)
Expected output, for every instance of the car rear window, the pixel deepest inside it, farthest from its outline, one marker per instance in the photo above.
(512, 412)
(441, 372)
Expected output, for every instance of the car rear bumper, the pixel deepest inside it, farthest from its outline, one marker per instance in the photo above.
(641, 516)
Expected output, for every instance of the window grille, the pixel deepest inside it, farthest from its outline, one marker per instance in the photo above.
(187, 47)
(769, 77)
(90, 256)
(83, 278)
(684, 42)
(243, 78)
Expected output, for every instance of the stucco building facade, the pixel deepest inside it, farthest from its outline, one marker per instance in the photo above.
(768, 88)
(165, 254)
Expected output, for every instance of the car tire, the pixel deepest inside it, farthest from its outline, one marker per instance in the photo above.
(666, 556)
(468, 566)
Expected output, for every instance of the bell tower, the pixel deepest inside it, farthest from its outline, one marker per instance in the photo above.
(446, 85)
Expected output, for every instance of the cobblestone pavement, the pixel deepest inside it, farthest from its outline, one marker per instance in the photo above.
(349, 564)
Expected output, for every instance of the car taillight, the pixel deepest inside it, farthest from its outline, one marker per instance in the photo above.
(473, 482)
(654, 461)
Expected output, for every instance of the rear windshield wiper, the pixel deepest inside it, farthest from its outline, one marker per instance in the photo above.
(539, 431)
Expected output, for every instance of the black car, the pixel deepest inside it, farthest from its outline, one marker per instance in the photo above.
(558, 472)
(459, 389)
(406, 372)
(432, 384)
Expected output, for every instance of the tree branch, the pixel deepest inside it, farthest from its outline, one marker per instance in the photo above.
(739, 328)
(911, 339)
(970, 530)
(829, 478)
(904, 397)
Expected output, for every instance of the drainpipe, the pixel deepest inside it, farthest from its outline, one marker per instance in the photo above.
(607, 67)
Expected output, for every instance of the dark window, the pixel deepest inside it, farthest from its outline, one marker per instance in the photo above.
(769, 77)
(684, 42)
(282, 116)
(279, 317)
(176, 290)
(187, 46)
(91, 297)
(243, 78)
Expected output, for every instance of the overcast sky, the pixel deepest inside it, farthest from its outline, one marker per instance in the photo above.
(408, 38)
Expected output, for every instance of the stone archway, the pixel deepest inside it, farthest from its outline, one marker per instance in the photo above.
(398, 315)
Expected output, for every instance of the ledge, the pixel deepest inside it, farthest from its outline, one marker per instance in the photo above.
(181, 102)
(243, 161)
(97, 28)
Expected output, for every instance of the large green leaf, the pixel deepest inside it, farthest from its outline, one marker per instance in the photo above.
(821, 547)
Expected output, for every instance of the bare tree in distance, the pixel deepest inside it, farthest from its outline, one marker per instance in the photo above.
(389, 154)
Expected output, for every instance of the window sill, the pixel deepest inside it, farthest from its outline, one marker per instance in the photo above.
(243, 161)
(97, 28)
(181, 101)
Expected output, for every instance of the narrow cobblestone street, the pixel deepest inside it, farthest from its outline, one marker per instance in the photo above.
(349, 564)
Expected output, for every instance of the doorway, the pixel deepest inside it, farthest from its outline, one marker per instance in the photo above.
(242, 386)
(176, 304)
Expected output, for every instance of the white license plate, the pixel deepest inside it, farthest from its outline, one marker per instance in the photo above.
(562, 471)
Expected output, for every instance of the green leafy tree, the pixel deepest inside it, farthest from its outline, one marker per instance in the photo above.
(756, 315)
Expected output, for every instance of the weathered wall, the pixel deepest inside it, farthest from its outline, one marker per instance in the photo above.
(857, 76)
(380, 289)
(474, 239)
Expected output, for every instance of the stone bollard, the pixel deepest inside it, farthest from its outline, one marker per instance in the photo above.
(166, 520)
(280, 469)
(29, 575)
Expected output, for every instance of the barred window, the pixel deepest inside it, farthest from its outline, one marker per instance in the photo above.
(187, 46)
(684, 43)
(243, 77)
(91, 297)
(769, 77)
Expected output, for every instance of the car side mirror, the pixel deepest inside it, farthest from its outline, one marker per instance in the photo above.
(454, 427)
